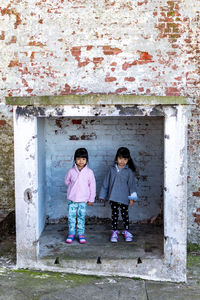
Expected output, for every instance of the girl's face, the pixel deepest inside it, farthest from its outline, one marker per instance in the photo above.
(121, 161)
(81, 162)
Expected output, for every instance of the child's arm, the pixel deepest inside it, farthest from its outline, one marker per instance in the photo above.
(68, 178)
(92, 187)
(132, 198)
(132, 188)
(104, 188)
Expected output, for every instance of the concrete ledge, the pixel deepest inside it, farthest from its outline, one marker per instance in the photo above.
(149, 269)
(96, 99)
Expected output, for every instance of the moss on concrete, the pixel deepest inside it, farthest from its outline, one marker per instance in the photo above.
(74, 279)
(96, 99)
(193, 260)
(193, 247)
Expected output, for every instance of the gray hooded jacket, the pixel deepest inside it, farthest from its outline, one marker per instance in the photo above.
(118, 185)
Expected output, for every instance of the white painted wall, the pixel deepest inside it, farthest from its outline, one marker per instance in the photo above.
(41, 175)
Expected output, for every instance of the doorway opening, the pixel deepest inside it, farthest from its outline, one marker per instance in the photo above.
(46, 136)
(102, 136)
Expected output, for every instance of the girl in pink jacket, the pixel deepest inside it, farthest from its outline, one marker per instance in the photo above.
(81, 192)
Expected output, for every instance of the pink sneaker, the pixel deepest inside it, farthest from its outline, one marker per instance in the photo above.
(114, 236)
(127, 235)
(70, 238)
(82, 239)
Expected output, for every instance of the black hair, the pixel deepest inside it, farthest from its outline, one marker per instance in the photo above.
(125, 153)
(81, 152)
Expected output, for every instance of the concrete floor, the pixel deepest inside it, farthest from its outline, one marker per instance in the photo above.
(147, 243)
(42, 285)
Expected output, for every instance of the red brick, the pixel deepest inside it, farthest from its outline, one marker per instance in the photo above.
(110, 79)
(107, 50)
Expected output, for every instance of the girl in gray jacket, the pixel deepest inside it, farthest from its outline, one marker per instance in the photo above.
(119, 187)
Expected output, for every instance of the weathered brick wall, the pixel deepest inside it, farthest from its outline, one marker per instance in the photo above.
(6, 161)
(51, 47)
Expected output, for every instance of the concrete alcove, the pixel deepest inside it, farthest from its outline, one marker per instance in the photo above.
(46, 135)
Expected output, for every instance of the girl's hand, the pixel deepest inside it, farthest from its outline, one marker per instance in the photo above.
(102, 201)
(90, 203)
(131, 202)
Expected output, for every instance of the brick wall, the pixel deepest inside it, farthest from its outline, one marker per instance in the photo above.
(6, 162)
(51, 47)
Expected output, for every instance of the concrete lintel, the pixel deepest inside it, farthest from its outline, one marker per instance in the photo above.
(96, 99)
(95, 110)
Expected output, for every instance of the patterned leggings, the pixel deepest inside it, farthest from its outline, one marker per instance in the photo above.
(115, 214)
(76, 211)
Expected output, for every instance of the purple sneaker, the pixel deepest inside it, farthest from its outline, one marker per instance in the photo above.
(127, 235)
(114, 236)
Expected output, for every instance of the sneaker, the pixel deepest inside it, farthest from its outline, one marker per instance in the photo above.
(127, 235)
(114, 236)
(70, 238)
(82, 239)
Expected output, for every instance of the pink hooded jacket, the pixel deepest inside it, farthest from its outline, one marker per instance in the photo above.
(81, 185)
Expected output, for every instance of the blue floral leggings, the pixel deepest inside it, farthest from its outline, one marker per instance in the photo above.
(76, 210)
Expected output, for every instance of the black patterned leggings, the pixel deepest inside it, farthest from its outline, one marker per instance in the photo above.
(115, 214)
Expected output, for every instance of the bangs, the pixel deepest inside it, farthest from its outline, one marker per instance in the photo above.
(81, 153)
